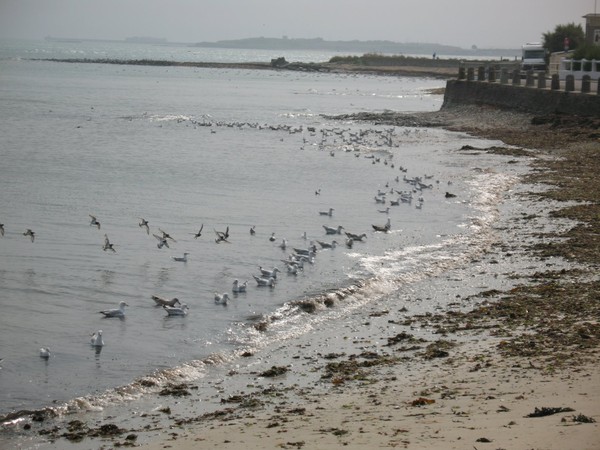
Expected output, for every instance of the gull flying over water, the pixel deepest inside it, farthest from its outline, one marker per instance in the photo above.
(161, 241)
(160, 301)
(118, 312)
(107, 245)
(30, 233)
(199, 233)
(94, 221)
(166, 235)
(222, 236)
(144, 223)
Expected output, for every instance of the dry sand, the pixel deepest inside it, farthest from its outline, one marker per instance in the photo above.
(533, 350)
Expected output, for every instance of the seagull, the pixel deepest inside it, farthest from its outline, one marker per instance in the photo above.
(44, 352)
(166, 235)
(385, 211)
(221, 298)
(449, 195)
(30, 233)
(283, 244)
(96, 340)
(107, 245)
(164, 302)
(318, 191)
(2, 229)
(349, 242)
(144, 223)
(384, 228)
(237, 287)
(94, 221)
(199, 233)
(118, 312)
(304, 236)
(269, 273)
(264, 282)
(327, 244)
(252, 230)
(161, 241)
(356, 237)
(180, 258)
(176, 311)
(326, 213)
(331, 230)
(222, 237)
(272, 238)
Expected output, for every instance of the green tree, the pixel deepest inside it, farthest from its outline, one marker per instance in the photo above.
(554, 40)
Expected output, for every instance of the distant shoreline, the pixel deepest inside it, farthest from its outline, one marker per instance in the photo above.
(444, 69)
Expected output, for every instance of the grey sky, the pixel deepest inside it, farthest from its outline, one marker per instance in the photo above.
(484, 23)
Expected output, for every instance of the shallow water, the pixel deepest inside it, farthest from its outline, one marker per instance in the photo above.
(231, 148)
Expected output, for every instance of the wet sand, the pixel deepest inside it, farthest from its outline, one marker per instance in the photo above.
(519, 369)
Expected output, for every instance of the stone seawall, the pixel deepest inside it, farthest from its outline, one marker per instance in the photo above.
(520, 98)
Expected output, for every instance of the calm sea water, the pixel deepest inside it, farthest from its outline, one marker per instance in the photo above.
(224, 149)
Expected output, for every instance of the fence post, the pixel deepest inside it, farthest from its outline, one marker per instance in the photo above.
(555, 83)
(529, 81)
(504, 76)
(516, 78)
(598, 86)
(570, 83)
(585, 84)
(461, 73)
(541, 80)
(470, 74)
(481, 73)
(492, 74)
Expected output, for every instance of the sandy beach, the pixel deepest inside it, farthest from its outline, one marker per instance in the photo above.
(517, 370)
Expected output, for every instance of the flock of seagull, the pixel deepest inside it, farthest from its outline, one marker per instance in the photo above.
(296, 259)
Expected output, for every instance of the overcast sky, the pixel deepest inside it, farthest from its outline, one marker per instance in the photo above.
(463, 23)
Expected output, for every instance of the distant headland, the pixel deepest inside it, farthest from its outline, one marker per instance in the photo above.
(285, 43)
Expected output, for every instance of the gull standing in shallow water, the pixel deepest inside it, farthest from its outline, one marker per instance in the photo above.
(221, 298)
(181, 258)
(385, 228)
(44, 352)
(269, 273)
(327, 213)
(118, 312)
(332, 230)
(264, 282)
(176, 311)
(237, 287)
(96, 340)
